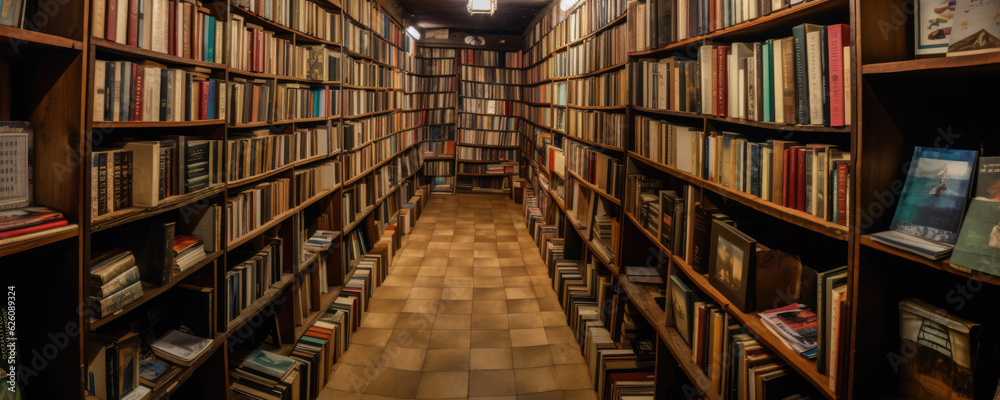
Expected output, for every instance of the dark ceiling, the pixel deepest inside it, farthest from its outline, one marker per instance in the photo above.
(511, 18)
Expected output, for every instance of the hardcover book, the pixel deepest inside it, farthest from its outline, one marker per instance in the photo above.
(943, 348)
(976, 28)
(681, 301)
(932, 29)
(929, 213)
(978, 246)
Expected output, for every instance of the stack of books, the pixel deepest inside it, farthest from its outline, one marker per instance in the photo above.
(188, 250)
(265, 375)
(179, 347)
(795, 325)
(30, 222)
(114, 282)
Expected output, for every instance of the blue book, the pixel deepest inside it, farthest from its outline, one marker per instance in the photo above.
(755, 169)
(768, 88)
(213, 106)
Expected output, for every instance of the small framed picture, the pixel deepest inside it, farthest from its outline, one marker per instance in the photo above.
(731, 264)
(932, 28)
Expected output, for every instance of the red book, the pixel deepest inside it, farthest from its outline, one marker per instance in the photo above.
(25, 217)
(786, 183)
(800, 184)
(721, 81)
(171, 28)
(842, 193)
(111, 21)
(713, 15)
(203, 109)
(718, 15)
(138, 74)
(837, 36)
(133, 23)
(33, 229)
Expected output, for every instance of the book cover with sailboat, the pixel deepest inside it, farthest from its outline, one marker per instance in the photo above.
(929, 213)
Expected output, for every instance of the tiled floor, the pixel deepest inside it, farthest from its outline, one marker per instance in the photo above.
(467, 312)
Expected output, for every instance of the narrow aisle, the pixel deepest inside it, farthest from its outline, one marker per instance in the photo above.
(467, 312)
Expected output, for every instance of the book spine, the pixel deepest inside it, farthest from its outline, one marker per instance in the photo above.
(118, 171)
(824, 77)
(127, 278)
(789, 88)
(138, 76)
(801, 66)
(786, 173)
(836, 74)
(721, 88)
(111, 304)
(133, 23)
(800, 184)
(842, 193)
(107, 272)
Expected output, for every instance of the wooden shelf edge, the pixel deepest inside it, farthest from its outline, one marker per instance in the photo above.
(941, 265)
(52, 236)
(118, 48)
(132, 214)
(799, 218)
(266, 298)
(932, 64)
(156, 124)
(747, 122)
(594, 188)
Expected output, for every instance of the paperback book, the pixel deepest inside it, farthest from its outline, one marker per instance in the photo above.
(978, 246)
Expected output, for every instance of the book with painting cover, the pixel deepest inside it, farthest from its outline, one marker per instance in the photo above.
(976, 28)
(929, 213)
(978, 246)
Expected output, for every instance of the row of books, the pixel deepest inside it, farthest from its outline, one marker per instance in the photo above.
(361, 72)
(418, 84)
(503, 76)
(488, 138)
(264, 375)
(650, 24)
(598, 52)
(594, 166)
(257, 50)
(597, 127)
(114, 364)
(794, 80)
(538, 115)
(258, 152)
(361, 101)
(488, 122)
(370, 15)
(323, 63)
(252, 208)
(701, 17)
(488, 169)
(437, 132)
(445, 148)
(603, 90)
(426, 117)
(362, 41)
(252, 101)
(143, 173)
(435, 67)
(555, 66)
(439, 168)
(360, 132)
(313, 181)
(489, 91)
(442, 184)
(360, 160)
(486, 154)
(489, 58)
(433, 100)
(314, 20)
(591, 16)
(486, 184)
(368, 191)
(180, 28)
(489, 107)
(807, 177)
(539, 94)
(147, 91)
(433, 52)
(299, 100)
(248, 280)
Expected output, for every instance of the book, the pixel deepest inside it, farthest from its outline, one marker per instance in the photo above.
(681, 297)
(154, 372)
(103, 307)
(929, 214)
(796, 325)
(975, 29)
(179, 347)
(27, 217)
(944, 350)
(978, 245)
(933, 25)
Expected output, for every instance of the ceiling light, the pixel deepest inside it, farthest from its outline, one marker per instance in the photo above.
(482, 6)
(567, 4)
(414, 33)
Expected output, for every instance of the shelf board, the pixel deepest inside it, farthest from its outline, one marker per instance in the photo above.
(51, 236)
(359, 87)
(133, 51)
(796, 217)
(603, 108)
(485, 161)
(157, 124)
(584, 237)
(534, 123)
(746, 122)
(941, 265)
(133, 214)
(594, 188)
(150, 291)
(443, 158)
(259, 177)
(371, 59)
(642, 298)
(594, 72)
(958, 64)
(304, 120)
(255, 124)
(364, 214)
(266, 298)
(371, 114)
(533, 104)
(752, 322)
(762, 24)
(488, 146)
(504, 175)
(177, 381)
(585, 141)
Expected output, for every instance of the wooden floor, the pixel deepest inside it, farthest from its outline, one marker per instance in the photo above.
(467, 312)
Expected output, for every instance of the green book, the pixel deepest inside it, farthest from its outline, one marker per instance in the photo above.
(768, 80)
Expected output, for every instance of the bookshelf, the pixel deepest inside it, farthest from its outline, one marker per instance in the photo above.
(435, 88)
(569, 71)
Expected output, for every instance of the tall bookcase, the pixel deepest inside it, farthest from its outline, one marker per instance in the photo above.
(49, 78)
(489, 119)
(435, 87)
(565, 47)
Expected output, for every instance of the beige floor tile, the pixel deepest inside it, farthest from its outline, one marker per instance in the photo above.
(449, 339)
(415, 320)
(457, 293)
(559, 334)
(394, 383)
(402, 358)
(566, 353)
(458, 281)
(406, 272)
(351, 378)
(522, 305)
(362, 355)
(488, 282)
(380, 320)
(553, 395)
(447, 360)
(486, 271)
(525, 320)
(371, 336)
(532, 357)
(398, 280)
(516, 293)
(528, 337)
(421, 306)
(573, 376)
(453, 321)
(491, 358)
(489, 294)
(412, 338)
(553, 318)
(490, 321)
(486, 262)
(331, 394)
(458, 271)
(489, 307)
(393, 292)
(435, 270)
(492, 383)
(386, 305)
(536, 380)
(490, 338)
(580, 394)
(429, 281)
(425, 293)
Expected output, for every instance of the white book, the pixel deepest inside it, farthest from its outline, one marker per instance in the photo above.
(778, 94)
(100, 71)
(158, 35)
(706, 60)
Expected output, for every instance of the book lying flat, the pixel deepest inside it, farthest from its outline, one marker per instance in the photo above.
(179, 347)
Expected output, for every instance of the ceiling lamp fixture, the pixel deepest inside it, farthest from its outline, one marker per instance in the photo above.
(482, 6)
(414, 33)
(567, 4)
